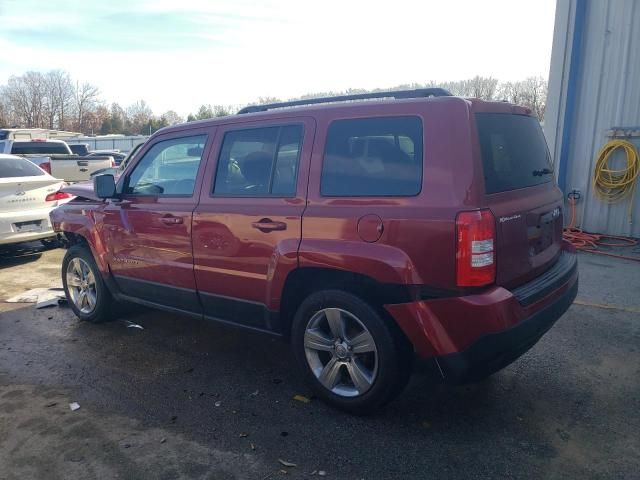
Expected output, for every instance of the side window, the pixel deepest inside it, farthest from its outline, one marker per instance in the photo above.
(259, 162)
(373, 157)
(168, 168)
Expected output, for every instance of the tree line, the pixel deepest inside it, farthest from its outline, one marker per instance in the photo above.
(54, 100)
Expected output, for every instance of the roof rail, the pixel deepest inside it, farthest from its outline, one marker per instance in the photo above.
(417, 93)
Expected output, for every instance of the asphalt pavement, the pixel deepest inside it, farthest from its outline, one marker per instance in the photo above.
(179, 398)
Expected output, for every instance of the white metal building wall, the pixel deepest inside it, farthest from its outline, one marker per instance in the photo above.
(606, 94)
(122, 143)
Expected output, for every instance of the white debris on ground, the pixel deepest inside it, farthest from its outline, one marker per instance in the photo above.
(37, 295)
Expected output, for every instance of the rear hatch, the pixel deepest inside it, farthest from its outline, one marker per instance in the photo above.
(522, 194)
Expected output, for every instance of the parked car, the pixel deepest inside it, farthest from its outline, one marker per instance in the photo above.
(55, 157)
(79, 148)
(117, 155)
(27, 195)
(363, 232)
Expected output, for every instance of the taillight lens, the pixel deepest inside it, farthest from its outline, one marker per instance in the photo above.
(46, 166)
(113, 163)
(475, 255)
(54, 197)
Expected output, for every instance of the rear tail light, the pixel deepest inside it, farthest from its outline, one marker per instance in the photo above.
(113, 163)
(475, 256)
(46, 166)
(54, 197)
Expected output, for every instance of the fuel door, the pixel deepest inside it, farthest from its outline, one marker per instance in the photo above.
(370, 228)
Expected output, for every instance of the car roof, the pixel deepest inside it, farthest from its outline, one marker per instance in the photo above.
(337, 108)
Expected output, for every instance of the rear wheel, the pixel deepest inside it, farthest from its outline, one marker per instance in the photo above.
(84, 287)
(353, 358)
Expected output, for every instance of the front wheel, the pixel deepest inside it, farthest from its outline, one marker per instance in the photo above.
(84, 287)
(353, 357)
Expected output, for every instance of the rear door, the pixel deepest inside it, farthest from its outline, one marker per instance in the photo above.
(147, 231)
(522, 194)
(247, 225)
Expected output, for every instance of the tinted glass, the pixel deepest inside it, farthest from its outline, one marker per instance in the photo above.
(373, 157)
(259, 162)
(34, 148)
(18, 167)
(168, 168)
(79, 149)
(514, 152)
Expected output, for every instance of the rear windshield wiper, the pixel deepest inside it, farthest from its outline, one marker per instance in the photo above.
(539, 173)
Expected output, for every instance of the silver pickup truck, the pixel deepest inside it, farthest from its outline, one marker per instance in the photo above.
(55, 157)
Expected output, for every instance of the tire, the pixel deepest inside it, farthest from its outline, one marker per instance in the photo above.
(79, 266)
(381, 370)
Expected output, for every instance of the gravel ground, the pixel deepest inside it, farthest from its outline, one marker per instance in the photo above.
(186, 399)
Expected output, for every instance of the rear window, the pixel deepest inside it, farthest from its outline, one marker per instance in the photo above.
(514, 152)
(34, 148)
(373, 157)
(18, 167)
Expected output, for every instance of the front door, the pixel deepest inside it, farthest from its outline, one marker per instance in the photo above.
(247, 226)
(148, 229)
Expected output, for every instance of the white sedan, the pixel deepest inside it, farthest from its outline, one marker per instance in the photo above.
(27, 195)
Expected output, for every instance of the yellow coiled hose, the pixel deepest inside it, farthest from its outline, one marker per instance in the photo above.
(612, 185)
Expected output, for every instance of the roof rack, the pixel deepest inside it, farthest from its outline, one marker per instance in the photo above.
(417, 93)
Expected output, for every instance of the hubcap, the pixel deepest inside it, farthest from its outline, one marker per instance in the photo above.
(341, 352)
(81, 285)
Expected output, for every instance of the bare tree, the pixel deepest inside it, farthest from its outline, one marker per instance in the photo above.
(530, 92)
(534, 95)
(172, 117)
(266, 100)
(204, 112)
(62, 88)
(118, 120)
(5, 115)
(51, 99)
(139, 115)
(221, 111)
(511, 92)
(25, 94)
(86, 96)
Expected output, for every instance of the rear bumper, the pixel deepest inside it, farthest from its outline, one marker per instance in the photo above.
(10, 221)
(494, 351)
(475, 335)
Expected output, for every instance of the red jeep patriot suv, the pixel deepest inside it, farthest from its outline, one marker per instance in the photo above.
(366, 232)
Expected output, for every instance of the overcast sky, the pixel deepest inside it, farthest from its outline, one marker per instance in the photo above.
(178, 54)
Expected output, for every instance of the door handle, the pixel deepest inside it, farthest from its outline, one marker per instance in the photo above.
(267, 225)
(171, 220)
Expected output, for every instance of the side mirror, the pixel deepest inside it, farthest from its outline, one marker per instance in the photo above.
(104, 186)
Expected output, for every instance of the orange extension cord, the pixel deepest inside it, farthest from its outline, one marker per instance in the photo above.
(589, 242)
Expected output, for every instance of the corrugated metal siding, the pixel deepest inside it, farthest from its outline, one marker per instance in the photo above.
(608, 95)
(124, 144)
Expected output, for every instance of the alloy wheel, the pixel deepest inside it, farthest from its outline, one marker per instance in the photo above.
(341, 352)
(81, 284)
